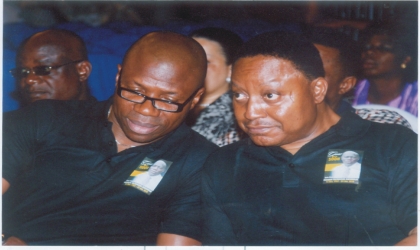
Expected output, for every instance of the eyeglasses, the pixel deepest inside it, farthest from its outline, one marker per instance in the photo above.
(380, 48)
(164, 105)
(38, 70)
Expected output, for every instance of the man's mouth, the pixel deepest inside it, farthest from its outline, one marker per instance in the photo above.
(141, 127)
(258, 129)
(37, 95)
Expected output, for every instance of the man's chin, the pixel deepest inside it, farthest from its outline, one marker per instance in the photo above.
(33, 97)
(144, 139)
(263, 140)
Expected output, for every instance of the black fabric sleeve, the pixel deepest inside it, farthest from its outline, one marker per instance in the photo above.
(19, 142)
(403, 184)
(182, 214)
(217, 228)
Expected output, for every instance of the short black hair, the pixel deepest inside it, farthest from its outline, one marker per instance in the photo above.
(294, 47)
(348, 48)
(228, 40)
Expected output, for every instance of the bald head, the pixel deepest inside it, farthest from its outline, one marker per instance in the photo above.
(52, 64)
(67, 42)
(171, 48)
(160, 80)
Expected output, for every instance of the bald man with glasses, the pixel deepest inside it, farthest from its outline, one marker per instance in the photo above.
(68, 166)
(52, 64)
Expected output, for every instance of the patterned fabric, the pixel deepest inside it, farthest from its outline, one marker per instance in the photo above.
(383, 116)
(217, 122)
(406, 101)
(373, 115)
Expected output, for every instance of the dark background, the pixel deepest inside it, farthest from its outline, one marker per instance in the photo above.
(110, 27)
(96, 13)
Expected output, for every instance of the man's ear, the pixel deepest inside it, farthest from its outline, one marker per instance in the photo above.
(347, 84)
(197, 97)
(319, 88)
(84, 69)
(117, 77)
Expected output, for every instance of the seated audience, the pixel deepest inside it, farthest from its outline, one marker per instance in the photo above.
(67, 164)
(340, 60)
(273, 187)
(213, 116)
(389, 66)
(52, 64)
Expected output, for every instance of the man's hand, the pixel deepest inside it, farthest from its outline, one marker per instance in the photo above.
(165, 239)
(411, 240)
(14, 241)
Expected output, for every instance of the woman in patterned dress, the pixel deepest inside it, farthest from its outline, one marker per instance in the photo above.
(213, 116)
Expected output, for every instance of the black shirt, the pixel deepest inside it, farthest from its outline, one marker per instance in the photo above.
(256, 195)
(67, 179)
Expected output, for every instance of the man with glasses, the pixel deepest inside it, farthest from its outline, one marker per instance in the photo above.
(52, 64)
(66, 165)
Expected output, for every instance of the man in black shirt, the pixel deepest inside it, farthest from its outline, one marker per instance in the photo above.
(275, 188)
(68, 166)
(52, 64)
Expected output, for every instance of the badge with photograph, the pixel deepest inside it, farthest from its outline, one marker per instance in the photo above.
(148, 175)
(343, 166)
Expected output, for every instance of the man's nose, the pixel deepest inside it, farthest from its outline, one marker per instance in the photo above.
(31, 78)
(146, 108)
(254, 109)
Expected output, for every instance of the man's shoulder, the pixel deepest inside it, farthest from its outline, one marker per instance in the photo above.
(52, 114)
(55, 107)
(352, 124)
(185, 138)
(374, 136)
(230, 151)
(382, 116)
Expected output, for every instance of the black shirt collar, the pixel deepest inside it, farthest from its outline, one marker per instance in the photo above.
(344, 107)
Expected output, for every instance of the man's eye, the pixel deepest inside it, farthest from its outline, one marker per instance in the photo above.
(271, 96)
(238, 96)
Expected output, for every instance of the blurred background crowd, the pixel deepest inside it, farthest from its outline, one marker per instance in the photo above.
(110, 27)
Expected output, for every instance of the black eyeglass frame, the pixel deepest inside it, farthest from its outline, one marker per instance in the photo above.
(38, 70)
(180, 105)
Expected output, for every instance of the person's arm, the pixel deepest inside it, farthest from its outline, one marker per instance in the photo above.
(404, 186)
(411, 239)
(14, 241)
(216, 226)
(4, 185)
(165, 239)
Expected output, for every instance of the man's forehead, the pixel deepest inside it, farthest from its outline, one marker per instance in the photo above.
(266, 68)
(44, 49)
(155, 70)
(43, 54)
